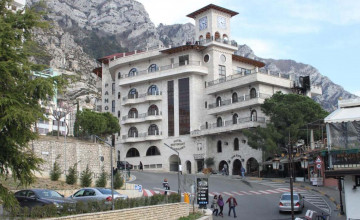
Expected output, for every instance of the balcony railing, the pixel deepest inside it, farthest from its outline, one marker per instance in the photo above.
(139, 96)
(240, 99)
(162, 68)
(231, 122)
(141, 116)
(142, 135)
(345, 159)
(220, 40)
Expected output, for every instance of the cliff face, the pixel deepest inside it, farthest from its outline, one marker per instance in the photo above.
(84, 30)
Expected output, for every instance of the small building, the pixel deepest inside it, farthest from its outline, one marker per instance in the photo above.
(343, 135)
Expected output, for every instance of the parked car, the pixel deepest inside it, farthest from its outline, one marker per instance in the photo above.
(96, 194)
(40, 197)
(285, 202)
(121, 165)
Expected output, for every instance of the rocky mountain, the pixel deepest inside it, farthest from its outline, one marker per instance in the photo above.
(87, 29)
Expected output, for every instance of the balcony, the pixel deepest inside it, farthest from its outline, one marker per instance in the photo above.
(344, 162)
(229, 126)
(243, 101)
(163, 72)
(141, 137)
(141, 118)
(238, 80)
(140, 98)
(230, 44)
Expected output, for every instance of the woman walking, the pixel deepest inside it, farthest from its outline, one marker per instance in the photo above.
(215, 205)
(221, 205)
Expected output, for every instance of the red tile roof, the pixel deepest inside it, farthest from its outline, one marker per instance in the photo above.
(212, 6)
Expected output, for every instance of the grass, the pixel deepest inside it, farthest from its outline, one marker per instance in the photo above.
(192, 216)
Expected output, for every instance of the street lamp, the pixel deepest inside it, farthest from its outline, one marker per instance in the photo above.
(276, 163)
(304, 164)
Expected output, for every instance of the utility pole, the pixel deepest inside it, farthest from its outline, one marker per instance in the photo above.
(291, 178)
(178, 166)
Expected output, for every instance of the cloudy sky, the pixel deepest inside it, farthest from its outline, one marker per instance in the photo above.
(322, 33)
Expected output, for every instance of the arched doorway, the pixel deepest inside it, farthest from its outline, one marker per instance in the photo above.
(174, 162)
(236, 167)
(252, 167)
(221, 165)
(188, 167)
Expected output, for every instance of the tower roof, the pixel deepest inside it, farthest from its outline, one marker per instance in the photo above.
(212, 6)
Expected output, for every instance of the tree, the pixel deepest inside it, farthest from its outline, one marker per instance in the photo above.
(71, 178)
(55, 173)
(20, 95)
(101, 182)
(288, 114)
(86, 178)
(118, 180)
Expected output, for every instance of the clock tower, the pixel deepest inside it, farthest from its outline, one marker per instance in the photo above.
(212, 23)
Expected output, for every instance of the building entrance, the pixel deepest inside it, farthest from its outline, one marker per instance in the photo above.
(236, 167)
(200, 165)
(174, 162)
(188, 167)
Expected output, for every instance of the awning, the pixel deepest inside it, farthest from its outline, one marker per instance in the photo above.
(344, 115)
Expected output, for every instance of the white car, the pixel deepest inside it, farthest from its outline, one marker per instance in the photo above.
(96, 194)
(285, 202)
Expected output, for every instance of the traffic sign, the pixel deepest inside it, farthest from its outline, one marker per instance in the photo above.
(318, 160)
(318, 166)
(138, 187)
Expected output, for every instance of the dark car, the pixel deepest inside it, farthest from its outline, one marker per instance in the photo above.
(121, 165)
(40, 197)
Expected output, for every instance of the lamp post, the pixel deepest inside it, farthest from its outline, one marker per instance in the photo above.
(178, 165)
(304, 164)
(276, 163)
(111, 171)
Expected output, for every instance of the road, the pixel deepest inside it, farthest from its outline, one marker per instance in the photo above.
(257, 199)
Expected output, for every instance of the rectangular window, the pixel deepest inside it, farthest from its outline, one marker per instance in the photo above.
(184, 106)
(113, 106)
(171, 120)
(113, 89)
(183, 60)
(222, 71)
(238, 70)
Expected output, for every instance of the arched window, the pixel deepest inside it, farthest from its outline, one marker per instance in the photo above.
(217, 36)
(152, 68)
(236, 144)
(219, 122)
(133, 152)
(234, 97)
(118, 114)
(218, 101)
(153, 110)
(153, 130)
(133, 72)
(225, 37)
(133, 132)
(219, 147)
(208, 36)
(235, 118)
(152, 151)
(153, 90)
(253, 115)
(252, 93)
(133, 113)
(119, 95)
(133, 94)
(119, 75)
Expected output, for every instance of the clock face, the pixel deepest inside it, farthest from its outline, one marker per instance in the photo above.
(203, 23)
(221, 21)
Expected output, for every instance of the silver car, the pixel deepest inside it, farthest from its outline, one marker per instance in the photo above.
(96, 194)
(285, 202)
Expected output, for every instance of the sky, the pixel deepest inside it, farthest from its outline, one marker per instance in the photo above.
(321, 33)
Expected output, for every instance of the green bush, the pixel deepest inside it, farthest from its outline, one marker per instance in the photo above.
(55, 173)
(43, 211)
(192, 216)
(101, 182)
(71, 178)
(86, 178)
(118, 181)
(174, 198)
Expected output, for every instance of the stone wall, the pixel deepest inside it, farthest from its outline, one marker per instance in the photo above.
(156, 212)
(84, 153)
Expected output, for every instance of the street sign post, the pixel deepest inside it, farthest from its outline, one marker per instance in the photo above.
(202, 192)
(138, 187)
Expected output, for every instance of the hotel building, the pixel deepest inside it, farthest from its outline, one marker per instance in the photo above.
(196, 98)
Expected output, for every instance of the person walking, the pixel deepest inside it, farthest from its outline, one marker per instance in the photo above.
(226, 169)
(242, 172)
(166, 186)
(141, 168)
(215, 205)
(220, 202)
(232, 203)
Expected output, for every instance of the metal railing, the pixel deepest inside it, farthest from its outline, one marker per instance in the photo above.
(138, 96)
(240, 99)
(142, 135)
(227, 123)
(143, 115)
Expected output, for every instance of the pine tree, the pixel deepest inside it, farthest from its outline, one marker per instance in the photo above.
(118, 181)
(101, 182)
(55, 173)
(86, 178)
(71, 178)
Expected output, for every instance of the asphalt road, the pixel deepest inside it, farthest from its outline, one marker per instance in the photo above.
(256, 200)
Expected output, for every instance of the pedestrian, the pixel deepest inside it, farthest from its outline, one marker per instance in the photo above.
(141, 167)
(243, 172)
(226, 169)
(232, 203)
(215, 205)
(166, 186)
(220, 202)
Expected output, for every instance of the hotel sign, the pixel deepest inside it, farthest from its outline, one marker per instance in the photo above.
(178, 144)
(202, 191)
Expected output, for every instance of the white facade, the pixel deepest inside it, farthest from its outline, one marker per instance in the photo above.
(224, 97)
